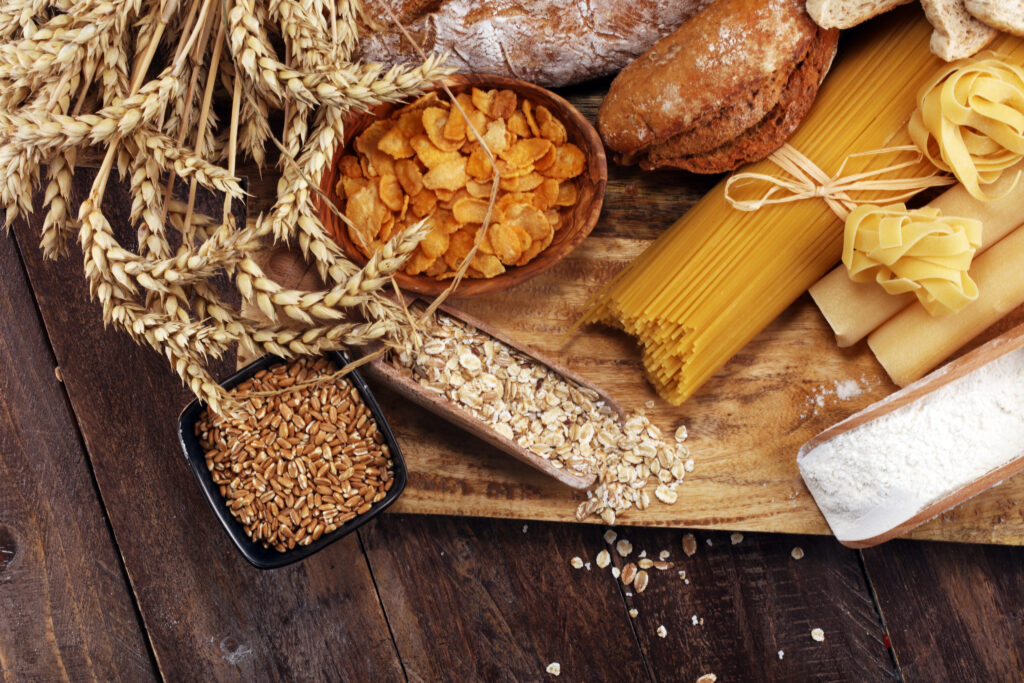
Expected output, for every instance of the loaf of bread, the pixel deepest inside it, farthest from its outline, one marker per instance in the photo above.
(726, 88)
(548, 42)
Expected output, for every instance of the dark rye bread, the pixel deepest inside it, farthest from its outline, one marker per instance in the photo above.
(728, 87)
(768, 134)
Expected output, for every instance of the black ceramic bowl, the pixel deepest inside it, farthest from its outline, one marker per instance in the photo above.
(268, 558)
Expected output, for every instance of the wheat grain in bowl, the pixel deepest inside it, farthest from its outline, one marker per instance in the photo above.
(303, 458)
(425, 161)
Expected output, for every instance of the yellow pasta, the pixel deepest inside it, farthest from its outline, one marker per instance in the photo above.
(970, 120)
(855, 309)
(912, 342)
(719, 275)
(919, 251)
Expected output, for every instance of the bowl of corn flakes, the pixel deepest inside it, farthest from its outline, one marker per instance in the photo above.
(428, 160)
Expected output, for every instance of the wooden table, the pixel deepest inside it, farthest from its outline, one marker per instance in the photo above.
(113, 567)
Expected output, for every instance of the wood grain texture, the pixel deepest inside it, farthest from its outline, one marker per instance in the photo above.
(746, 424)
(450, 585)
(209, 614)
(66, 611)
(752, 600)
(477, 599)
(953, 613)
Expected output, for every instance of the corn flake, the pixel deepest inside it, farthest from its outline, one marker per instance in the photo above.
(427, 161)
(568, 162)
(429, 154)
(391, 192)
(409, 176)
(469, 210)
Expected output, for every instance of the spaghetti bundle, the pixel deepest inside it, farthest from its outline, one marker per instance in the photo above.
(719, 275)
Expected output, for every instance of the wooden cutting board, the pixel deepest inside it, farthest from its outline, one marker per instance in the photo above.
(746, 425)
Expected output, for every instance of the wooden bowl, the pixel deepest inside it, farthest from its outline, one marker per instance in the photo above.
(584, 214)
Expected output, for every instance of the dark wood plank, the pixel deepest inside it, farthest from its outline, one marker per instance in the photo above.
(480, 599)
(208, 613)
(752, 600)
(66, 611)
(953, 612)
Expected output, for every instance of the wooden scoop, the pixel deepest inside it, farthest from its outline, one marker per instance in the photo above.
(290, 270)
(998, 347)
(387, 374)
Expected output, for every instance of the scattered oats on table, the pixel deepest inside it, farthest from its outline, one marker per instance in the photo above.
(797, 553)
(645, 562)
(623, 548)
(640, 582)
(633, 613)
(616, 572)
(690, 545)
(736, 538)
(664, 555)
(707, 678)
(818, 635)
(554, 668)
(662, 631)
(610, 536)
(629, 573)
(780, 654)
(603, 559)
(547, 414)
(576, 562)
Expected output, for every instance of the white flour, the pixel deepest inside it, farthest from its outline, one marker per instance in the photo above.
(882, 473)
(844, 390)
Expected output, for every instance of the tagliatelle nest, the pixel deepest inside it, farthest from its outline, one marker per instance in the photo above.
(136, 79)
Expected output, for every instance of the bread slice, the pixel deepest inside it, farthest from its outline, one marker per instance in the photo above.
(957, 34)
(847, 13)
(1006, 15)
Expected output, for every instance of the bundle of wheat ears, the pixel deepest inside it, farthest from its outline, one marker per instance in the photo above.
(136, 80)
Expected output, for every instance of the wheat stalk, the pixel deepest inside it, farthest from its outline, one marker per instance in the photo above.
(139, 79)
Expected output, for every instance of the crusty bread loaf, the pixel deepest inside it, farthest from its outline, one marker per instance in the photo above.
(848, 13)
(1006, 15)
(726, 88)
(548, 42)
(957, 34)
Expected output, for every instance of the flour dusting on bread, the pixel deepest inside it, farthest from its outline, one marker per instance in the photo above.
(548, 42)
(725, 88)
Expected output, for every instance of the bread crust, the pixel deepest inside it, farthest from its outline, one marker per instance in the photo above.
(768, 134)
(729, 84)
(547, 42)
(728, 53)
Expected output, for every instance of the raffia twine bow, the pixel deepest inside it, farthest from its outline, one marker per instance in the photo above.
(805, 180)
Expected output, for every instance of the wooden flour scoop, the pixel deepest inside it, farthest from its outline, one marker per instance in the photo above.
(897, 519)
